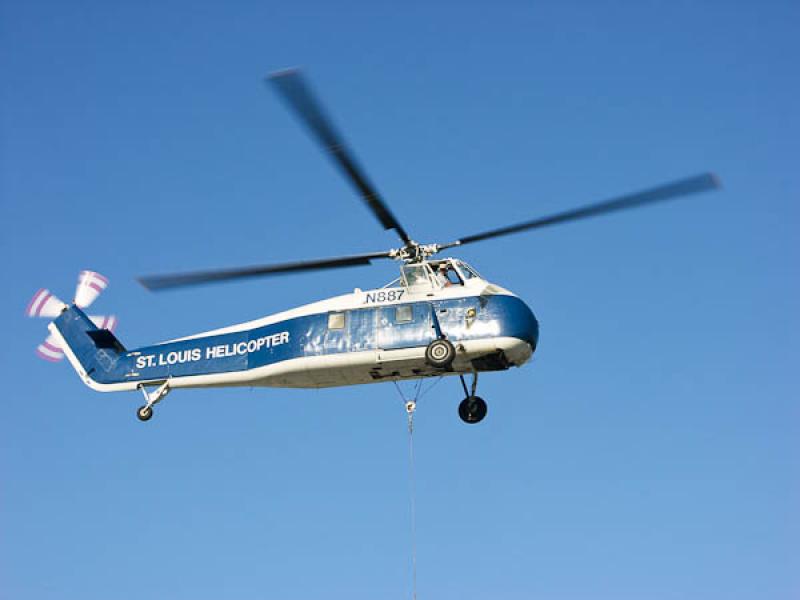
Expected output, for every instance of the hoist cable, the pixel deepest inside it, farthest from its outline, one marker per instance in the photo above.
(412, 504)
(410, 406)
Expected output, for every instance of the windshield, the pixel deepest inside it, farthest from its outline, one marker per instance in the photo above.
(466, 271)
(415, 275)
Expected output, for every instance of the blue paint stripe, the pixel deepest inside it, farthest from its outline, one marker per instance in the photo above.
(365, 329)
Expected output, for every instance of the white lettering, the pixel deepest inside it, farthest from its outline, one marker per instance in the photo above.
(220, 351)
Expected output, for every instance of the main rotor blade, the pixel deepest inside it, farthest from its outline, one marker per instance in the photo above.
(297, 95)
(162, 282)
(675, 189)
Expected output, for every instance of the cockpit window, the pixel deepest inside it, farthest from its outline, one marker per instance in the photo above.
(415, 275)
(466, 271)
(447, 275)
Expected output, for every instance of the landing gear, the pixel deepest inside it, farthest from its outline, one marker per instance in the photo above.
(145, 413)
(440, 353)
(472, 409)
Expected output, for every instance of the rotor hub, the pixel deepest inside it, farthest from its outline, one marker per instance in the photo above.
(414, 252)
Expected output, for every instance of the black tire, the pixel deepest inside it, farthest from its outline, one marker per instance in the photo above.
(440, 354)
(145, 413)
(472, 409)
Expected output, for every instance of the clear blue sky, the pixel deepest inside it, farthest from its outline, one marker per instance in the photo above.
(651, 450)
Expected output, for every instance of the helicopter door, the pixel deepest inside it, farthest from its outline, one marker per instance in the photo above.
(361, 329)
(404, 326)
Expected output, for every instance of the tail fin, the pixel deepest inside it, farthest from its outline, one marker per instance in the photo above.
(96, 354)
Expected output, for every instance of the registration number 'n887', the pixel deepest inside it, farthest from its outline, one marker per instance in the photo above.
(384, 296)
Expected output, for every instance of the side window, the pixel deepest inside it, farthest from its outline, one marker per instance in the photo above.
(336, 321)
(404, 314)
(452, 277)
(466, 271)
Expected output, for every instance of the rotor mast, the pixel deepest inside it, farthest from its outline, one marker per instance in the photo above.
(414, 252)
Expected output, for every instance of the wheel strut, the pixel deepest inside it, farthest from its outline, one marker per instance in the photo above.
(472, 409)
(145, 413)
(474, 385)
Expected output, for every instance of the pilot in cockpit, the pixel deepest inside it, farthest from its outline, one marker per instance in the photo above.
(447, 276)
(441, 275)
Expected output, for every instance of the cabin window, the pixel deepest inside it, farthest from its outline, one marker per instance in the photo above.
(336, 321)
(404, 314)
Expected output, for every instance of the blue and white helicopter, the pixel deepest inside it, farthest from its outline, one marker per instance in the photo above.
(441, 317)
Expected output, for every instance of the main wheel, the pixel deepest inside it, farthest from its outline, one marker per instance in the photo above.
(472, 409)
(440, 354)
(145, 413)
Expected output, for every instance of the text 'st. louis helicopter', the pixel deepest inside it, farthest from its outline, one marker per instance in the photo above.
(440, 317)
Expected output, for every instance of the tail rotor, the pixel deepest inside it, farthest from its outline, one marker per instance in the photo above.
(46, 305)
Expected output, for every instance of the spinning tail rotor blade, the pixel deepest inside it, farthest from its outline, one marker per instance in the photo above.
(297, 95)
(50, 349)
(675, 189)
(45, 304)
(104, 321)
(90, 285)
(162, 282)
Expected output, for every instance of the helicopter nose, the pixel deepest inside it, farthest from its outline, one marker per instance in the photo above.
(533, 330)
(519, 321)
(528, 326)
(521, 326)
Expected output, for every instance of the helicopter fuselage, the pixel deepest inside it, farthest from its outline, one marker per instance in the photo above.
(361, 337)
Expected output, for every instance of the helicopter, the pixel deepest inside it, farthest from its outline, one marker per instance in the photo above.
(439, 318)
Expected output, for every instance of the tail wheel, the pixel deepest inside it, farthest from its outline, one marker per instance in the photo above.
(440, 354)
(472, 409)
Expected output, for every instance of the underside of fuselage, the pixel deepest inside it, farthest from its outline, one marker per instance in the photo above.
(357, 368)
